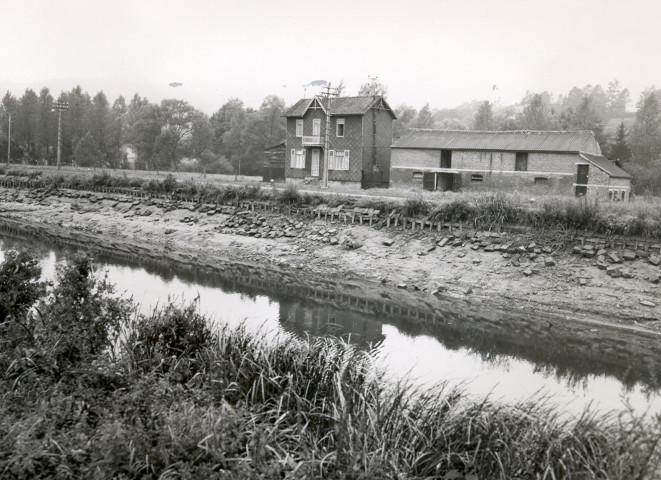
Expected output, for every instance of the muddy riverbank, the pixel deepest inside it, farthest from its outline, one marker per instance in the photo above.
(474, 288)
(540, 274)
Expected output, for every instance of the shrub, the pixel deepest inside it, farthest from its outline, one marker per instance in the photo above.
(290, 194)
(415, 206)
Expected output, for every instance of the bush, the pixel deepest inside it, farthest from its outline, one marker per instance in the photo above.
(415, 206)
(290, 194)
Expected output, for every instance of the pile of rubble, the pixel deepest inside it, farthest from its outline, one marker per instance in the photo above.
(616, 264)
(250, 224)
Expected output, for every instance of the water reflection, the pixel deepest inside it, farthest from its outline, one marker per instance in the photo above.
(508, 356)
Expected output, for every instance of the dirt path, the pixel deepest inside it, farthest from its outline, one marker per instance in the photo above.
(543, 277)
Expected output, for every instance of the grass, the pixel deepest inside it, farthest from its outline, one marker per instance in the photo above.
(164, 396)
(481, 210)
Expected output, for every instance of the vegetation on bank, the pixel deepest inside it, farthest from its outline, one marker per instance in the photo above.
(89, 389)
(483, 211)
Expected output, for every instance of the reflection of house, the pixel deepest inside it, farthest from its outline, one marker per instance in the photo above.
(541, 162)
(311, 318)
(360, 135)
(274, 163)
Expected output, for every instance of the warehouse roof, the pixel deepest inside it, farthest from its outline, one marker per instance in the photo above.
(524, 141)
(606, 165)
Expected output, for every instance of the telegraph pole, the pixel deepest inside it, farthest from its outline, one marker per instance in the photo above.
(9, 141)
(329, 95)
(59, 106)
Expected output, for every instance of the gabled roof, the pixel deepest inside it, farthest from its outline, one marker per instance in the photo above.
(520, 141)
(277, 145)
(340, 105)
(606, 165)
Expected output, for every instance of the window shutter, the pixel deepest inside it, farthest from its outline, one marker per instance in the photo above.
(346, 159)
(292, 162)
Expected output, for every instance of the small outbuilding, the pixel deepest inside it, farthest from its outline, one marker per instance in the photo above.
(539, 162)
(274, 163)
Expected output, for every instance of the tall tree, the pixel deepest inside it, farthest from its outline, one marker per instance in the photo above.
(484, 119)
(27, 124)
(119, 133)
(222, 120)
(47, 138)
(619, 149)
(201, 135)
(74, 120)
(143, 128)
(10, 108)
(646, 130)
(176, 119)
(424, 118)
(535, 114)
(618, 98)
(100, 126)
(586, 117)
(405, 115)
(86, 152)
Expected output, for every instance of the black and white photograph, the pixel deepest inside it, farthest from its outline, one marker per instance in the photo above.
(330, 240)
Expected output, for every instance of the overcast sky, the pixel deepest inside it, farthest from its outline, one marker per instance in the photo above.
(441, 52)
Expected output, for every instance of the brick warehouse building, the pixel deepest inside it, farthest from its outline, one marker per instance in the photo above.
(360, 136)
(567, 163)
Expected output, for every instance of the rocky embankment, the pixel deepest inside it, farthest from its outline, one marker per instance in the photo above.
(593, 280)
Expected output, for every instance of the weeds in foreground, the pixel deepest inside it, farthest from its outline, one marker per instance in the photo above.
(170, 398)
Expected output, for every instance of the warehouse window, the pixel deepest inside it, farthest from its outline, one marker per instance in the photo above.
(521, 162)
(541, 181)
(476, 178)
(418, 175)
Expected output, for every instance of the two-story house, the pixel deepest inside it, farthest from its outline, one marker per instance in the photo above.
(359, 139)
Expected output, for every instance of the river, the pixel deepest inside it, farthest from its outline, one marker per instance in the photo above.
(572, 372)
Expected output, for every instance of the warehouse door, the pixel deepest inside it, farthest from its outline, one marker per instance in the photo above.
(429, 181)
(582, 180)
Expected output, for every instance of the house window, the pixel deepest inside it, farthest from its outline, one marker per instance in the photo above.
(316, 126)
(476, 178)
(521, 162)
(299, 128)
(297, 158)
(541, 181)
(338, 159)
(339, 127)
(418, 175)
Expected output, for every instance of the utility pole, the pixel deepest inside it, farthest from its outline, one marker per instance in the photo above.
(9, 141)
(59, 106)
(329, 95)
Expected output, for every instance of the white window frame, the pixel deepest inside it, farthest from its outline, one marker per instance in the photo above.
(316, 127)
(339, 159)
(299, 127)
(297, 159)
(338, 122)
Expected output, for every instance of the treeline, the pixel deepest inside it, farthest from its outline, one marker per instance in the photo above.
(171, 135)
(174, 135)
(634, 139)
